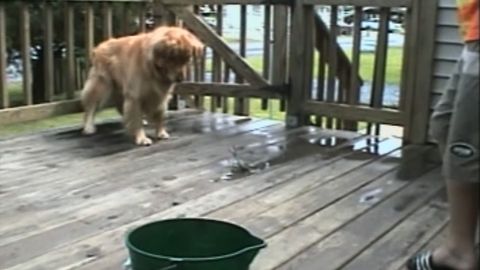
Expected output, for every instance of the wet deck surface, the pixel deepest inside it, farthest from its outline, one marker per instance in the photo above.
(321, 199)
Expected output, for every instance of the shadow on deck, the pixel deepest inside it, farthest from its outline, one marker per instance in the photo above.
(322, 199)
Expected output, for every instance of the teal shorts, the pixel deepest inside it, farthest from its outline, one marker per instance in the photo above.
(455, 120)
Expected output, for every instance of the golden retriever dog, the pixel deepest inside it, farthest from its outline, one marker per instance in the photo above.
(138, 74)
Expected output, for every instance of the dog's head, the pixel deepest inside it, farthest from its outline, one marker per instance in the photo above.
(172, 49)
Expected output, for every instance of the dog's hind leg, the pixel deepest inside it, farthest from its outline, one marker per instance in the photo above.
(95, 93)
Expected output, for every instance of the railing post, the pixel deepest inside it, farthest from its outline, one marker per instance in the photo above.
(418, 79)
(301, 62)
(416, 89)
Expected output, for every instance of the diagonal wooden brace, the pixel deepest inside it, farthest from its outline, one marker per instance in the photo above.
(213, 40)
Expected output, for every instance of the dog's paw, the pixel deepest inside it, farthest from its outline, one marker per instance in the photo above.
(163, 135)
(89, 130)
(143, 140)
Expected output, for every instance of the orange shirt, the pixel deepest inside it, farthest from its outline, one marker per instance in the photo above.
(468, 18)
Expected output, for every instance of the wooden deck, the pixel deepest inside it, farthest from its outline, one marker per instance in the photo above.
(327, 200)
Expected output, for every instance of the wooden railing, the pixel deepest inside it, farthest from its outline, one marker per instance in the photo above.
(55, 38)
(297, 68)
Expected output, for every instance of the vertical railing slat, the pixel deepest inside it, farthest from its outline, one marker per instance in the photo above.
(25, 51)
(241, 104)
(322, 64)
(199, 71)
(266, 48)
(126, 18)
(332, 55)
(378, 85)
(142, 17)
(48, 49)
(4, 98)
(107, 21)
(70, 42)
(279, 50)
(353, 94)
(89, 30)
(216, 101)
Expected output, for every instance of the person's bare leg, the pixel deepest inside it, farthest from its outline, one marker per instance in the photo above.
(459, 249)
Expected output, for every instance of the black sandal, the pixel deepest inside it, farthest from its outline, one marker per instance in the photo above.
(424, 261)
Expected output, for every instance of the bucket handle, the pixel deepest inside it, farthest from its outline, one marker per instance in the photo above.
(173, 266)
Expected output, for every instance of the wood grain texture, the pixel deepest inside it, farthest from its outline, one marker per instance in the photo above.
(309, 196)
(39, 111)
(358, 113)
(361, 232)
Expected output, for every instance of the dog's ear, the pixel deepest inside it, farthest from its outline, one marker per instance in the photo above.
(196, 46)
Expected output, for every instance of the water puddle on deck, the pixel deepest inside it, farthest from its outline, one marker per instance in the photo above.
(261, 156)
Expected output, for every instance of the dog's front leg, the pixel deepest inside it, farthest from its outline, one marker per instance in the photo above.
(159, 119)
(132, 114)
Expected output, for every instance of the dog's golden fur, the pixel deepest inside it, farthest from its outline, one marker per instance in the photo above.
(138, 74)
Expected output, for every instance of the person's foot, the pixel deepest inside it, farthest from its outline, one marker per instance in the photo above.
(455, 259)
(443, 258)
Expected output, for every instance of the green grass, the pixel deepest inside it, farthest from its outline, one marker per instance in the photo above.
(393, 72)
(53, 122)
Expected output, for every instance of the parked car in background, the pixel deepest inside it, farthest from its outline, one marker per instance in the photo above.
(374, 24)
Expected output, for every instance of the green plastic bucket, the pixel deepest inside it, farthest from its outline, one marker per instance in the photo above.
(192, 244)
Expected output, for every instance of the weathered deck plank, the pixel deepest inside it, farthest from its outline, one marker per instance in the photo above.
(394, 248)
(367, 228)
(75, 216)
(250, 218)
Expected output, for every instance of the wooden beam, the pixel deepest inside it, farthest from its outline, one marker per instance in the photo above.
(226, 2)
(4, 98)
(357, 113)
(242, 106)
(217, 66)
(25, 51)
(279, 50)
(416, 160)
(301, 63)
(267, 26)
(212, 39)
(420, 76)
(70, 42)
(39, 111)
(380, 65)
(107, 20)
(332, 59)
(363, 3)
(355, 80)
(231, 90)
(49, 70)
